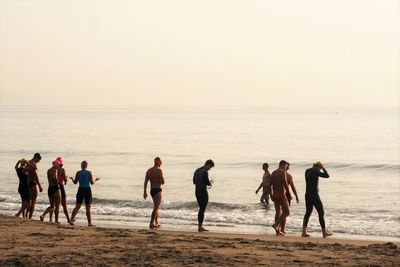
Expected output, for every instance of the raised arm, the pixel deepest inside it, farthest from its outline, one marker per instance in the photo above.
(324, 173)
(16, 165)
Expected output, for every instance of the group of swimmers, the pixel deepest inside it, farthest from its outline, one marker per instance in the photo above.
(274, 185)
(29, 184)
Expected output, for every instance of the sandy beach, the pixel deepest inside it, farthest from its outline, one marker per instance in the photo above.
(33, 243)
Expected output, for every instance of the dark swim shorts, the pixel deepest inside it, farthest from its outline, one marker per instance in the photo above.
(84, 193)
(155, 191)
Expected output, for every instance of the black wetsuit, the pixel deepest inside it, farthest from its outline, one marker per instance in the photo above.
(23, 187)
(312, 196)
(200, 179)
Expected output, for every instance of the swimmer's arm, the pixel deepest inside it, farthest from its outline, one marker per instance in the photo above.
(258, 189)
(75, 181)
(16, 165)
(91, 178)
(162, 179)
(285, 184)
(36, 179)
(324, 174)
(146, 180)
(65, 177)
(206, 179)
(291, 183)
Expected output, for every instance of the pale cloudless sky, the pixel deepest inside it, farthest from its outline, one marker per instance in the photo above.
(120, 52)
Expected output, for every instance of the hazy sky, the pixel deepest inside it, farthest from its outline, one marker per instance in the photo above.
(121, 52)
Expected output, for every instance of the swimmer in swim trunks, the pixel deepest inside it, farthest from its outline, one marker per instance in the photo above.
(33, 178)
(289, 197)
(279, 187)
(156, 178)
(265, 185)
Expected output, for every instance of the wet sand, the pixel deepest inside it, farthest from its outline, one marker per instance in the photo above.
(34, 243)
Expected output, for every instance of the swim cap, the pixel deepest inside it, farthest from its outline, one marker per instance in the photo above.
(56, 164)
(60, 159)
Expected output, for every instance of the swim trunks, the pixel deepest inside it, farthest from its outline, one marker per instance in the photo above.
(84, 193)
(155, 191)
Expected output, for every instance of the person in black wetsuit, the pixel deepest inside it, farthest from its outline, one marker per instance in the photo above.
(23, 188)
(312, 197)
(200, 179)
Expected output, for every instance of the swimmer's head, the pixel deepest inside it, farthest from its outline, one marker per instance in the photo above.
(318, 164)
(209, 164)
(265, 166)
(84, 164)
(283, 164)
(157, 162)
(56, 164)
(37, 157)
(23, 162)
(60, 159)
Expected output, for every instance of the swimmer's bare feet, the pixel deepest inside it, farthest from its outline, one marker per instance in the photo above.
(325, 234)
(71, 222)
(305, 235)
(41, 218)
(158, 225)
(276, 228)
(153, 227)
(57, 222)
(202, 229)
(91, 225)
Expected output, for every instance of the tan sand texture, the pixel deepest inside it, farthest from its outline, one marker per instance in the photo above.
(33, 243)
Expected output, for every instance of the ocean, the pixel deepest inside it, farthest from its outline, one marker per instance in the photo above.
(359, 147)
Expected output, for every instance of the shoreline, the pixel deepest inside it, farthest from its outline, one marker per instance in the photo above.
(174, 225)
(31, 242)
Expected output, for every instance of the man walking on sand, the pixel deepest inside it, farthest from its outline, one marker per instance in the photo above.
(312, 197)
(34, 182)
(279, 187)
(156, 178)
(200, 179)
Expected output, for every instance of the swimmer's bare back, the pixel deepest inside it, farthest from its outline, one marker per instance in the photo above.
(155, 176)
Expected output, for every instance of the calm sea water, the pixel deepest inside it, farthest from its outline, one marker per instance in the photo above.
(359, 146)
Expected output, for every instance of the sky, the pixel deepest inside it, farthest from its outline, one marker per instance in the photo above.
(195, 53)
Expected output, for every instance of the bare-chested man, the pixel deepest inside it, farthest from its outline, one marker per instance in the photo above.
(279, 187)
(156, 178)
(33, 181)
(265, 185)
(290, 182)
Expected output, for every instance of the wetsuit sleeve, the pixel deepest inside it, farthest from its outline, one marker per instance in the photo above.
(206, 180)
(324, 174)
